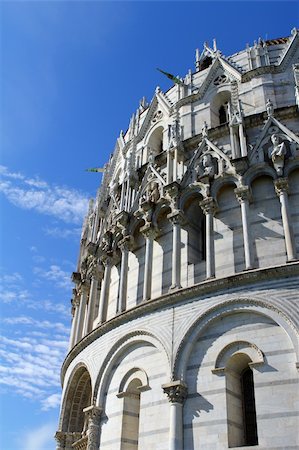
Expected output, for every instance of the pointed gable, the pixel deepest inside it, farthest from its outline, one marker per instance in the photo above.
(160, 107)
(273, 126)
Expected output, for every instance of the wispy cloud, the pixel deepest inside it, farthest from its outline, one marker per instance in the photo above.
(31, 361)
(55, 274)
(12, 290)
(64, 233)
(68, 205)
(41, 438)
(51, 402)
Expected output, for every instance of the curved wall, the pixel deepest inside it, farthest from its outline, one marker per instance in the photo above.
(188, 271)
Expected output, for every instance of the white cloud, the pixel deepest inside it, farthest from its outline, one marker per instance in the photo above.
(68, 205)
(31, 359)
(41, 438)
(64, 233)
(55, 273)
(51, 402)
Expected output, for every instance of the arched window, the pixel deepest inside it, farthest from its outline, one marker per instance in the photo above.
(223, 114)
(133, 383)
(219, 108)
(235, 361)
(131, 411)
(248, 402)
(240, 402)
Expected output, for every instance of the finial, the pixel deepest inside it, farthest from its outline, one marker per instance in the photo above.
(214, 45)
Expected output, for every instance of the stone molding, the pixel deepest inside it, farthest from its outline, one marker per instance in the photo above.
(186, 295)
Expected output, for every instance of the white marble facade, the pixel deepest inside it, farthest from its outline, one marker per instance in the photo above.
(185, 301)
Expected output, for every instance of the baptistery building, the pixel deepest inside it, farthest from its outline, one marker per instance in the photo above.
(185, 303)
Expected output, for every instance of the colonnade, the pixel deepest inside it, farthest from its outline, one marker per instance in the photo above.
(85, 300)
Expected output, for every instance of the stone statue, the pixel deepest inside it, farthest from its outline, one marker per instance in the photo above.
(204, 129)
(154, 193)
(277, 153)
(207, 165)
(173, 134)
(269, 108)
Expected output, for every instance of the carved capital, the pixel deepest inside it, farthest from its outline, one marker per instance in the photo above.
(60, 438)
(176, 391)
(92, 248)
(149, 231)
(281, 185)
(76, 277)
(122, 220)
(93, 412)
(126, 244)
(242, 193)
(177, 217)
(208, 205)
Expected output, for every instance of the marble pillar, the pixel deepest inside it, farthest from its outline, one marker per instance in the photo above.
(208, 205)
(150, 233)
(84, 289)
(176, 392)
(125, 246)
(107, 263)
(177, 219)
(243, 195)
(281, 188)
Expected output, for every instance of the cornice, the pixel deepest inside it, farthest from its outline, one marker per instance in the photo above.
(215, 286)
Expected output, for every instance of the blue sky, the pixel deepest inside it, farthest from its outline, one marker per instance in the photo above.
(72, 74)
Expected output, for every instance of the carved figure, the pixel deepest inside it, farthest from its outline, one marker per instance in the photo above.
(277, 153)
(154, 193)
(269, 108)
(173, 134)
(204, 129)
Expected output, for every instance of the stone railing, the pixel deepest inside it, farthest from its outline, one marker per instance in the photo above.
(81, 444)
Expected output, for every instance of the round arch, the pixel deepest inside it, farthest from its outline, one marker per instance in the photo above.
(220, 183)
(227, 308)
(256, 172)
(71, 417)
(116, 353)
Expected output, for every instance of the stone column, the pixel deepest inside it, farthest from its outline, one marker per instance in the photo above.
(125, 245)
(175, 164)
(176, 392)
(81, 310)
(97, 273)
(75, 312)
(177, 219)
(281, 188)
(150, 234)
(169, 174)
(107, 262)
(243, 194)
(208, 206)
(93, 414)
